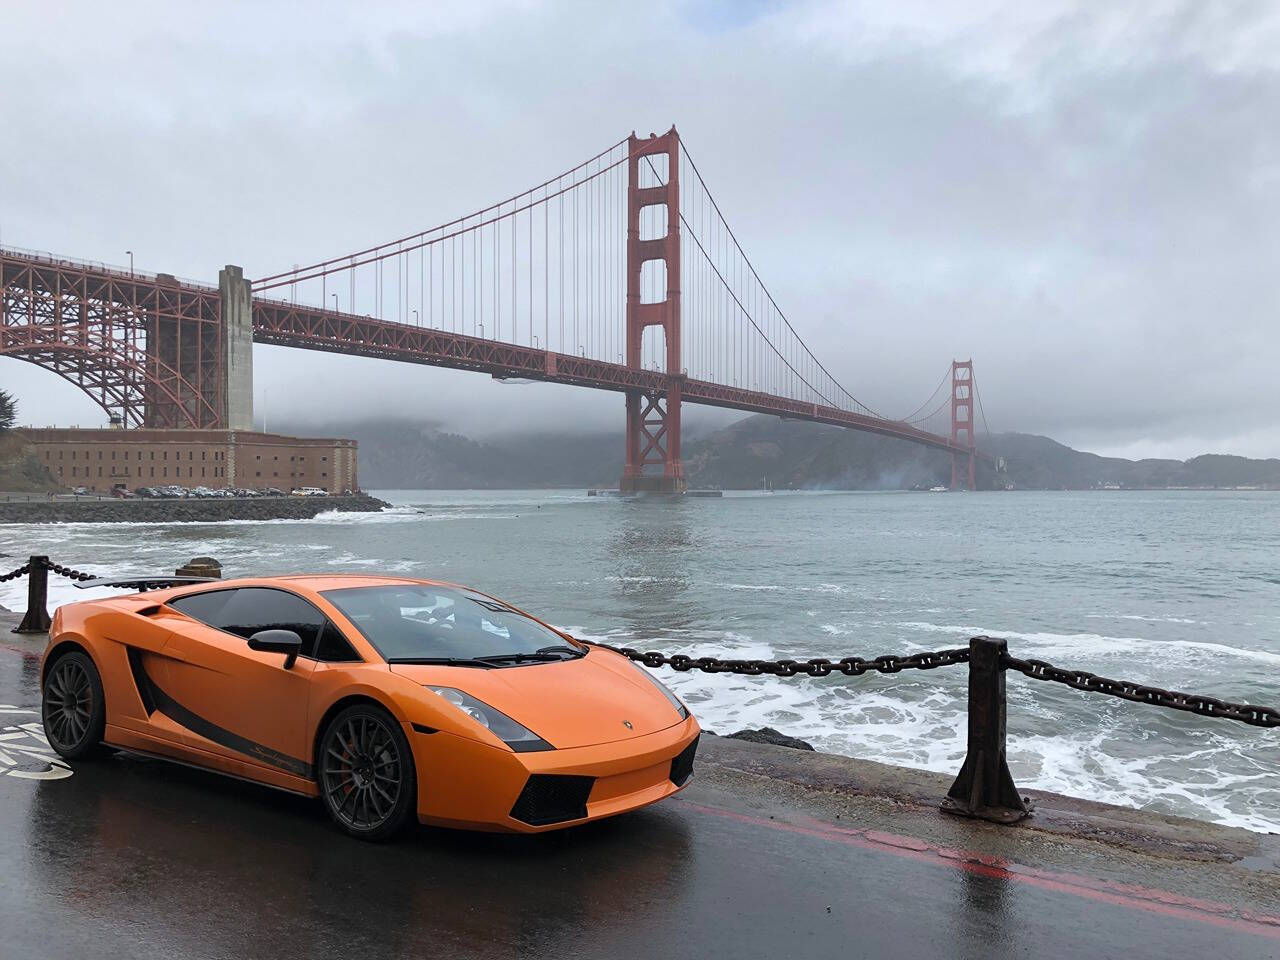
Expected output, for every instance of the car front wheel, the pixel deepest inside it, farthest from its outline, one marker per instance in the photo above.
(366, 774)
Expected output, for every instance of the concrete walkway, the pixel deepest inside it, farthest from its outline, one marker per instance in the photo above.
(771, 853)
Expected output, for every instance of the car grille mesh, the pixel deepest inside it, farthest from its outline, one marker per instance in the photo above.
(552, 798)
(682, 765)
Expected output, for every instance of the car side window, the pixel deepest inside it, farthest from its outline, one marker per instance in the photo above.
(204, 607)
(334, 647)
(247, 610)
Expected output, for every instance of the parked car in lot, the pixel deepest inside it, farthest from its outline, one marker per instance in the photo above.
(273, 492)
(309, 492)
(81, 491)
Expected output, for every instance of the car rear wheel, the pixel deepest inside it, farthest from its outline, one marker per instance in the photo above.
(72, 708)
(367, 779)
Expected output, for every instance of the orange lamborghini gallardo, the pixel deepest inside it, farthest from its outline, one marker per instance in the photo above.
(387, 698)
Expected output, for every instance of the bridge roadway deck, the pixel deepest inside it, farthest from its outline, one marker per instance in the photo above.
(280, 323)
(771, 853)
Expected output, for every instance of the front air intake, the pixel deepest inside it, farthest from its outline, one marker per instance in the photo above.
(552, 798)
(682, 765)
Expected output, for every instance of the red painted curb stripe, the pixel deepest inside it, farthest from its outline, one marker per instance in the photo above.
(18, 650)
(1133, 897)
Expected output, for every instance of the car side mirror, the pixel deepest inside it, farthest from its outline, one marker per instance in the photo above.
(278, 641)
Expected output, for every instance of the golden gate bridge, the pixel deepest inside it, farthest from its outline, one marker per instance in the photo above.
(619, 274)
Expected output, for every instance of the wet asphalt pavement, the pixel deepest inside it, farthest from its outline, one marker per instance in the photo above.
(131, 857)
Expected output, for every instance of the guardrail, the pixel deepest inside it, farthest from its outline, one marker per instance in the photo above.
(984, 788)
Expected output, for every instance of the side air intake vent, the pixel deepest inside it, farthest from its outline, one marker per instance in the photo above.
(552, 798)
(682, 765)
(140, 680)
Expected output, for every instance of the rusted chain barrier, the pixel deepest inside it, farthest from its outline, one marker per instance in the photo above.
(984, 787)
(15, 574)
(38, 568)
(68, 572)
(815, 667)
(1249, 713)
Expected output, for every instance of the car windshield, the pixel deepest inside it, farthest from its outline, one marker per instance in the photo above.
(427, 624)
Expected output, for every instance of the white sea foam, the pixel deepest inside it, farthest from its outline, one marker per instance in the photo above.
(1094, 644)
(1134, 616)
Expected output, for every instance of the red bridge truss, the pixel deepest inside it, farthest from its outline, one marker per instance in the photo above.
(620, 274)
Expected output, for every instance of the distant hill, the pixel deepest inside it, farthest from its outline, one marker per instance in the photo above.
(788, 454)
(20, 470)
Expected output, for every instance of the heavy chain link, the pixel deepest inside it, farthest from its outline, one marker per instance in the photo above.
(13, 575)
(1126, 690)
(68, 572)
(815, 667)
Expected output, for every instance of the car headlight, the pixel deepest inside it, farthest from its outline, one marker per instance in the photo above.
(675, 701)
(515, 735)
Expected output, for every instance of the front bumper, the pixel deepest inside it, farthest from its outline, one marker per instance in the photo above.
(465, 783)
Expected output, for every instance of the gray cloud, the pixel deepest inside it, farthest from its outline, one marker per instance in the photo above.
(1083, 197)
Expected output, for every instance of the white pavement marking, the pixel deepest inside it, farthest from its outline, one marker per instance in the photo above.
(23, 748)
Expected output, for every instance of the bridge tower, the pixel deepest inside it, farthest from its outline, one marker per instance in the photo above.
(962, 422)
(653, 419)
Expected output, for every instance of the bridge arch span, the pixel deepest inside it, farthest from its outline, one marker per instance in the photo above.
(122, 387)
(147, 349)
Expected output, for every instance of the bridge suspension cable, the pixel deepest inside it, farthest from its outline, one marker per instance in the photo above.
(982, 413)
(730, 306)
(543, 268)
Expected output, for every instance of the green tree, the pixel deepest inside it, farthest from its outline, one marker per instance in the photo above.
(8, 410)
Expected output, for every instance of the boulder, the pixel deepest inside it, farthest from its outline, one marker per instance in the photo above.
(770, 735)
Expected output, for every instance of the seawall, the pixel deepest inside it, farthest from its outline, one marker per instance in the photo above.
(182, 511)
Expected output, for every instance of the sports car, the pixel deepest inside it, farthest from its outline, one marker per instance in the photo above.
(386, 698)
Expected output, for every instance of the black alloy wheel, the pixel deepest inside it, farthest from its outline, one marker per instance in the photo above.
(72, 708)
(367, 778)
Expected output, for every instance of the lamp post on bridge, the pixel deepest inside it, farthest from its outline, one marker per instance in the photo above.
(130, 253)
(335, 302)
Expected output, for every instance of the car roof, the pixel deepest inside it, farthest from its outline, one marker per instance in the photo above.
(322, 581)
(301, 582)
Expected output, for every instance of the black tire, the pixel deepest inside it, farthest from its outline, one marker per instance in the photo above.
(72, 708)
(365, 773)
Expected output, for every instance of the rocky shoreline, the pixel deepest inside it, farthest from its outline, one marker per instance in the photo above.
(183, 511)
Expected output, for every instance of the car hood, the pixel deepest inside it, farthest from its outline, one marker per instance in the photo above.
(569, 703)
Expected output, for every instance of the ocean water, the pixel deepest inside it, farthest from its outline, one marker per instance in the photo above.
(1177, 589)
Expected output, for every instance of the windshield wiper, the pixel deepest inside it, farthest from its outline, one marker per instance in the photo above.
(545, 654)
(562, 648)
(485, 662)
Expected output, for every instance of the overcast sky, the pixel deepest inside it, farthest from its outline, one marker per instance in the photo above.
(1084, 197)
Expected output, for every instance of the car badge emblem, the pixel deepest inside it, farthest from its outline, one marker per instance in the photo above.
(627, 724)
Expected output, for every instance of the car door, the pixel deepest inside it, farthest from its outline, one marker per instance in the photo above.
(235, 702)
